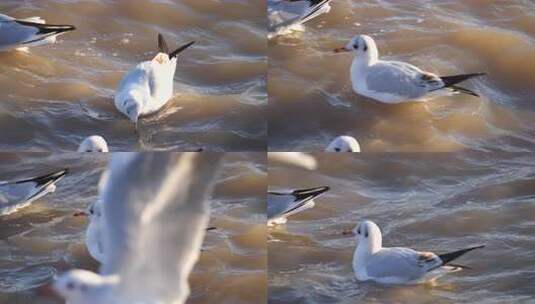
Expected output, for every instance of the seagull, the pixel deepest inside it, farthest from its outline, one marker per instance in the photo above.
(19, 194)
(93, 143)
(298, 159)
(343, 144)
(154, 211)
(149, 86)
(393, 81)
(398, 265)
(285, 16)
(23, 33)
(93, 234)
(280, 205)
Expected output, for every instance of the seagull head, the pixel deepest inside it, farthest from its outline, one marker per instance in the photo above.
(369, 237)
(132, 110)
(93, 143)
(92, 212)
(343, 144)
(77, 286)
(363, 45)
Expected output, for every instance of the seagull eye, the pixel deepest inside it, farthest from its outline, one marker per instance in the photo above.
(366, 235)
(356, 46)
(365, 47)
(337, 149)
(70, 286)
(358, 231)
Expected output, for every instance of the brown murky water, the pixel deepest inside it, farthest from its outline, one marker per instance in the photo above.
(44, 238)
(311, 100)
(54, 97)
(434, 202)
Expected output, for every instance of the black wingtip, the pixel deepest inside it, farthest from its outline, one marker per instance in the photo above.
(450, 256)
(45, 29)
(162, 45)
(181, 49)
(44, 179)
(311, 192)
(455, 79)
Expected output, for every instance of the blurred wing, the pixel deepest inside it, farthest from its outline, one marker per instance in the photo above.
(402, 264)
(288, 203)
(298, 159)
(155, 214)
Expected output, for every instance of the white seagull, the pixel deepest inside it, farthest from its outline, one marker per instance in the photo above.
(280, 205)
(398, 265)
(393, 81)
(19, 194)
(344, 144)
(285, 16)
(93, 143)
(149, 86)
(154, 211)
(93, 234)
(23, 33)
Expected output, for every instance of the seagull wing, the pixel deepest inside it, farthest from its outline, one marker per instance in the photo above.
(155, 214)
(399, 265)
(14, 195)
(17, 33)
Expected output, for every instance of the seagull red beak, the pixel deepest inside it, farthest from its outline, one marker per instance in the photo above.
(348, 233)
(80, 213)
(342, 50)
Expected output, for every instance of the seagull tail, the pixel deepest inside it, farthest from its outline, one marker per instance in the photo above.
(48, 178)
(450, 256)
(463, 90)
(48, 29)
(453, 80)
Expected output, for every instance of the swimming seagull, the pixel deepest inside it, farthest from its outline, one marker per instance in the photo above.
(398, 265)
(19, 194)
(285, 16)
(93, 143)
(393, 81)
(149, 86)
(23, 33)
(280, 205)
(154, 212)
(343, 144)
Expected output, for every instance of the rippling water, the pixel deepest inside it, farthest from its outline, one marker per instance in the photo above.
(311, 99)
(44, 239)
(436, 202)
(54, 97)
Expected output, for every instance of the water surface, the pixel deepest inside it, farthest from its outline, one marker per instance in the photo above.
(58, 94)
(427, 202)
(311, 100)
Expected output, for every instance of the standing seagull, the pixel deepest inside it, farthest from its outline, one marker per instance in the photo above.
(393, 81)
(154, 212)
(285, 16)
(23, 33)
(281, 205)
(149, 86)
(19, 194)
(398, 265)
